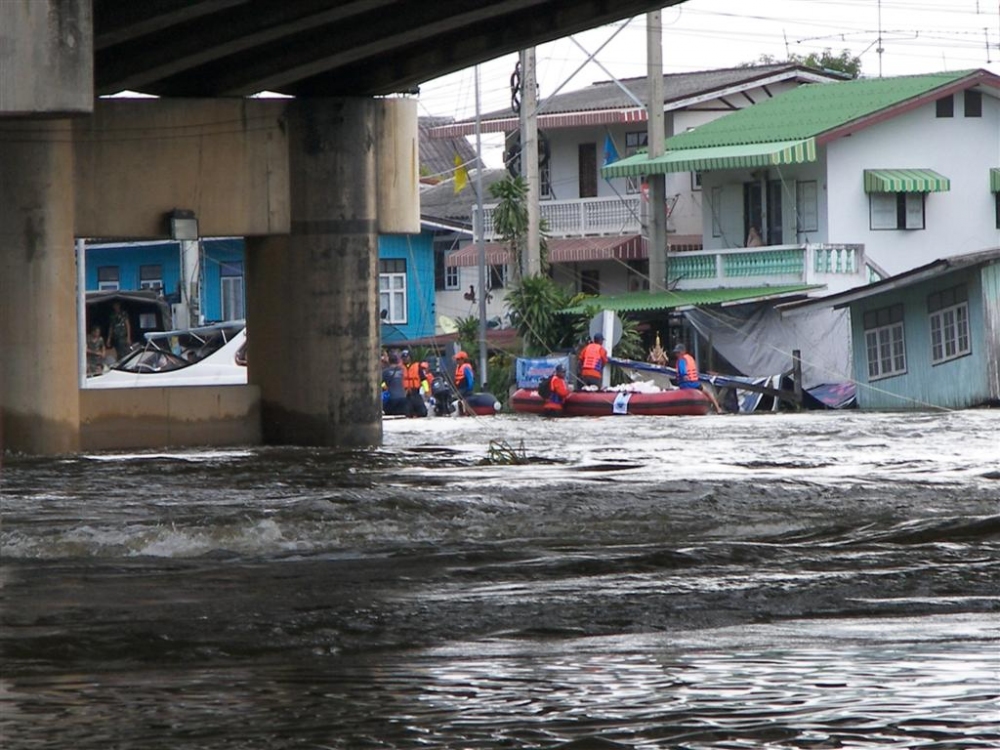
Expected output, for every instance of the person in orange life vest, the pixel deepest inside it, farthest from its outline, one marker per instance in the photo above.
(412, 378)
(687, 374)
(465, 378)
(558, 391)
(593, 359)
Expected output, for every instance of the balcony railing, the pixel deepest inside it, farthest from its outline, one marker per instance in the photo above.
(581, 217)
(838, 266)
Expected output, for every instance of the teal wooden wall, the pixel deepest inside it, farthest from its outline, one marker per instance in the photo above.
(418, 251)
(955, 384)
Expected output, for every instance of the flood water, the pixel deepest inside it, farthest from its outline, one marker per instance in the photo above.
(817, 580)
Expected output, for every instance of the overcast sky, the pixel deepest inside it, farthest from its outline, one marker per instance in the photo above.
(918, 36)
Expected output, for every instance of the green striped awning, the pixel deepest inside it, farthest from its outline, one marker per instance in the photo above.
(905, 181)
(995, 180)
(742, 156)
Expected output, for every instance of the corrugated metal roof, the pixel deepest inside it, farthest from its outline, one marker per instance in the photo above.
(437, 155)
(442, 202)
(605, 102)
(905, 181)
(808, 111)
(645, 301)
(676, 87)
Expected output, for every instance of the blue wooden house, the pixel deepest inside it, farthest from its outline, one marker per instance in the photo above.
(929, 337)
(155, 266)
(406, 278)
(406, 286)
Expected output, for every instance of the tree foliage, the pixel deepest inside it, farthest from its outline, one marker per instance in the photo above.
(844, 62)
(510, 217)
(534, 303)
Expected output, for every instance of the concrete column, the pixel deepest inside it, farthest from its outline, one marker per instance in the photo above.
(39, 394)
(312, 318)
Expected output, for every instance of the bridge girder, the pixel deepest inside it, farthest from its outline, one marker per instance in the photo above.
(205, 48)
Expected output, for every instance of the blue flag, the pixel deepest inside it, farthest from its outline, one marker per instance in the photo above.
(610, 152)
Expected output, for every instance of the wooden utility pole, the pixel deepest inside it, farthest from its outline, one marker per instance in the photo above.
(655, 134)
(532, 263)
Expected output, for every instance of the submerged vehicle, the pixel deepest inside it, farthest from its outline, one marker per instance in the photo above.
(207, 355)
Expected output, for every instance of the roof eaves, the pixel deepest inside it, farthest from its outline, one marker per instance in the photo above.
(899, 281)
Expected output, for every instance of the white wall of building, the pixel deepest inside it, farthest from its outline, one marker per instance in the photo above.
(959, 221)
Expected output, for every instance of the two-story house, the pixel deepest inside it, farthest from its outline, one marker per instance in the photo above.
(837, 185)
(596, 226)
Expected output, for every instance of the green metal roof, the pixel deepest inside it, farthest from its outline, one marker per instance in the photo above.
(645, 301)
(995, 180)
(799, 115)
(905, 181)
(740, 156)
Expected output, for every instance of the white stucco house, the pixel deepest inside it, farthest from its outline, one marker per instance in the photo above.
(595, 225)
(886, 172)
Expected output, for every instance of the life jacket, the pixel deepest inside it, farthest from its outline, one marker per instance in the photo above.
(463, 371)
(692, 370)
(592, 359)
(411, 376)
(556, 397)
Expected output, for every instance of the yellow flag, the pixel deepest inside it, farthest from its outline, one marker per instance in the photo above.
(461, 175)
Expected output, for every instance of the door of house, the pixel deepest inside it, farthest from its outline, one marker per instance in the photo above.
(754, 210)
(587, 163)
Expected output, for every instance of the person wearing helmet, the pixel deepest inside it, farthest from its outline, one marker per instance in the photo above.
(593, 359)
(687, 374)
(465, 377)
(558, 391)
(413, 377)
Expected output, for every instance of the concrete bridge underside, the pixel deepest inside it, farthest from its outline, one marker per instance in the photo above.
(310, 181)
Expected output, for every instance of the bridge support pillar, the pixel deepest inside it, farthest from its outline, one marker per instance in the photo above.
(39, 392)
(311, 312)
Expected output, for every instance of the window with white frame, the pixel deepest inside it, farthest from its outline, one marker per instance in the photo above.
(108, 279)
(231, 281)
(806, 206)
(634, 142)
(545, 180)
(151, 277)
(897, 210)
(949, 324)
(446, 277)
(884, 342)
(392, 290)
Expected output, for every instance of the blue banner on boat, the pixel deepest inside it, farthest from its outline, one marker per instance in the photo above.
(532, 371)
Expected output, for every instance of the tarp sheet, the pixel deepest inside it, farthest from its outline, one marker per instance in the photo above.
(756, 340)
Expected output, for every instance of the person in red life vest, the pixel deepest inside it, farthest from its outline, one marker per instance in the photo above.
(465, 378)
(593, 360)
(558, 391)
(687, 374)
(413, 376)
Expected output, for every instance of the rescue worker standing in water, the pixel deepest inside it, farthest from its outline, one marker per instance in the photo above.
(593, 360)
(413, 377)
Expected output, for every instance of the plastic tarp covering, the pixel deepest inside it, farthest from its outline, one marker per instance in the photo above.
(759, 342)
